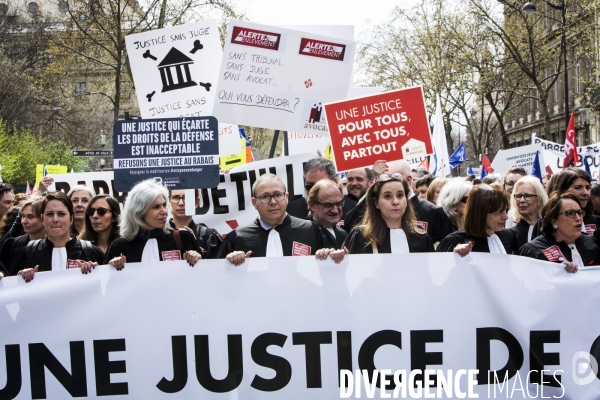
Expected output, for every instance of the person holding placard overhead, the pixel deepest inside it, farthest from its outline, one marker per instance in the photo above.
(145, 234)
(274, 233)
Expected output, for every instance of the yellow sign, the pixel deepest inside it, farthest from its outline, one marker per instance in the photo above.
(51, 169)
(329, 153)
(234, 160)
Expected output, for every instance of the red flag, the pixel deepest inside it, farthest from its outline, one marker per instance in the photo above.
(486, 166)
(424, 164)
(571, 157)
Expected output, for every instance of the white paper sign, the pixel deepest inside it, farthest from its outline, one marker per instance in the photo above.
(279, 78)
(229, 139)
(283, 328)
(175, 70)
(554, 154)
(300, 143)
(522, 156)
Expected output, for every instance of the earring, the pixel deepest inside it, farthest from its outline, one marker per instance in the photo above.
(555, 226)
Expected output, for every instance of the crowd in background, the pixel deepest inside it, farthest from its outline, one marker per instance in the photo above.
(389, 208)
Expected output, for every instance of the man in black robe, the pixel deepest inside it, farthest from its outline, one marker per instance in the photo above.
(274, 232)
(325, 201)
(315, 169)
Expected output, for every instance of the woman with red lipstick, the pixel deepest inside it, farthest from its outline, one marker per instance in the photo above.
(101, 221)
(388, 225)
(485, 217)
(561, 240)
(527, 200)
(145, 234)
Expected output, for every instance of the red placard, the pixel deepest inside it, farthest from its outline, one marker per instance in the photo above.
(255, 38)
(299, 249)
(172, 255)
(553, 253)
(388, 126)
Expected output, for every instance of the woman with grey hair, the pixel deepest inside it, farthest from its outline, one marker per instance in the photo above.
(145, 234)
(80, 196)
(453, 199)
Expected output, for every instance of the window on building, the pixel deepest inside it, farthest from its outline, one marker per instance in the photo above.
(80, 88)
(3, 9)
(33, 8)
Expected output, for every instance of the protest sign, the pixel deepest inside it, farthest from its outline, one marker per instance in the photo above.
(522, 156)
(388, 126)
(175, 70)
(230, 204)
(182, 153)
(300, 143)
(235, 160)
(554, 154)
(279, 78)
(101, 182)
(50, 170)
(486, 326)
(229, 140)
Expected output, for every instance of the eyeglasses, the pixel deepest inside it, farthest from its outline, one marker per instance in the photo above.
(331, 205)
(510, 183)
(395, 175)
(266, 198)
(308, 186)
(525, 197)
(176, 199)
(464, 199)
(101, 211)
(572, 213)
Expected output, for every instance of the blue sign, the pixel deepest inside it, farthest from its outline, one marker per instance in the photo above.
(182, 153)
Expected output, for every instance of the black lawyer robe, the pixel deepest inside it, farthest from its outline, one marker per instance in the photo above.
(295, 234)
(521, 230)
(209, 242)
(480, 245)
(587, 246)
(355, 242)
(431, 218)
(325, 239)
(133, 249)
(10, 251)
(43, 255)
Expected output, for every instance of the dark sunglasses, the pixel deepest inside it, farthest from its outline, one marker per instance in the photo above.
(464, 199)
(101, 211)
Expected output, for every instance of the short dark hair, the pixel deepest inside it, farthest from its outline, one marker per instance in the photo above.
(595, 191)
(63, 198)
(5, 187)
(370, 175)
(567, 178)
(424, 180)
(482, 201)
(515, 170)
(552, 208)
(320, 163)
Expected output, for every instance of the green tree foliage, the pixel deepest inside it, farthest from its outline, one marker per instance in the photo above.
(21, 150)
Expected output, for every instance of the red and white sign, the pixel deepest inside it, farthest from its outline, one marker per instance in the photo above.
(388, 126)
(589, 229)
(300, 249)
(73, 264)
(172, 255)
(553, 253)
(319, 48)
(255, 38)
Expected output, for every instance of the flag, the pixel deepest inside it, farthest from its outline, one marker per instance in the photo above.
(486, 166)
(587, 166)
(549, 171)
(470, 170)
(458, 157)
(424, 164)
(440, 148)
(536, 169)
(28, 189)
(571, 157)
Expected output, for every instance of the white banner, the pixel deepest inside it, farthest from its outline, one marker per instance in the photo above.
(175, 70)
(284, 328)
(279, 78)
(554, 154)
(522, 156)
(300, 143)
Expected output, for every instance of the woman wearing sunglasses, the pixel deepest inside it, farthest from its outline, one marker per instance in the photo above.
(389, 223)
(484, 219)
(145, 234)
(561, 240)
(453, 199)
(101, 221)
(527, 200)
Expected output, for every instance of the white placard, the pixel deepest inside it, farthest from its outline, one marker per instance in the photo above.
(554, 153)
(279, 78)
(229, 139)
(522, 156)
(284, 327)
(175, 70)
(299, 143)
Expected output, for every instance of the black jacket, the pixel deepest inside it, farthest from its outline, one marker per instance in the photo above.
(297, 238)
(43, 255)
(325, 240)
(480, 245)
(10, 251)
(521, 231)
(133, 249)
(431, 218)
(547, 249)
(355, 242)
(208, 239)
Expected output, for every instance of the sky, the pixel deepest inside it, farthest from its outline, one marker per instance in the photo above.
(322, 12)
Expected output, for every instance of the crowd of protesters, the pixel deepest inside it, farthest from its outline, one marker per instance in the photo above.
(389, 208)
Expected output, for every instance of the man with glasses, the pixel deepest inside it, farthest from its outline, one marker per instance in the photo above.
(6, 198)
(274, 233)
(208, 239)
(511, 177)
(315, 169)
(325, 202)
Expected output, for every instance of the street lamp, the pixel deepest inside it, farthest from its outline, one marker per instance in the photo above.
(529, 9)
